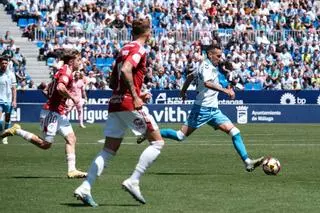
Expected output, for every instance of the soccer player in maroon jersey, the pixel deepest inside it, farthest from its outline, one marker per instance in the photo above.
(126, 110)
(53, 117)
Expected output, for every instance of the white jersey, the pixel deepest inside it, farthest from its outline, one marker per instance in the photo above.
(206, 72)
(7, 81)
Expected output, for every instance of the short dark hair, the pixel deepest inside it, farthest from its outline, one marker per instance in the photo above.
(4, 58)
(140, 26)
(69, 54)
(210, 47)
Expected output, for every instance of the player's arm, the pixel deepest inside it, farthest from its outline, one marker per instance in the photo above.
(186, 84)
(62, 89)
(126, 73)
(217, 87)
(13, 90)
(14, 96)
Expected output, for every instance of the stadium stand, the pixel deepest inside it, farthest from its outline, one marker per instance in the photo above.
(269, 44)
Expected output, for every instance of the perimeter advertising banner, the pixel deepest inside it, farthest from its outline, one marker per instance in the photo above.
(172, 97)
(177, 113)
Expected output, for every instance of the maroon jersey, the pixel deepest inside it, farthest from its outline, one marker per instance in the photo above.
(121, 99)
(57, 102)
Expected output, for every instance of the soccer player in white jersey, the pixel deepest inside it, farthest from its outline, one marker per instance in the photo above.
(205, 109)
(8, 95)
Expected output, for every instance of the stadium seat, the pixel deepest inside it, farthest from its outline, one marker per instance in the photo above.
(32, 20)
(50, 61)
(106, 70)
(22, 22)
(108, 62)
(248, 86)
(39, 44)
(257, 86)
(158, 31)
(100, 62)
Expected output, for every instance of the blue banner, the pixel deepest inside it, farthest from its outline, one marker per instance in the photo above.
(164, 113)
(172, 97)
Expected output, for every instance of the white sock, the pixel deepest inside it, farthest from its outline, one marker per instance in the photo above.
(247, 161)
(146, 159)
(96, 168)
(26, 135)
(71, 160)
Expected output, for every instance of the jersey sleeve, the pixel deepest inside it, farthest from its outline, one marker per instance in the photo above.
(13, 79)
(64, 76)
(134, 56)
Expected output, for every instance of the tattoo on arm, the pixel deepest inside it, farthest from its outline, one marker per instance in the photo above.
(126, 74)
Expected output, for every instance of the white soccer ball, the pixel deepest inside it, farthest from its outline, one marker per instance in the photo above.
(271, 166)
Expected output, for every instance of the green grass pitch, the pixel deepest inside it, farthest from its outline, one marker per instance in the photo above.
(203, 174)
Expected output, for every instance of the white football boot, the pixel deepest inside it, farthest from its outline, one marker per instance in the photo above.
(132, 186)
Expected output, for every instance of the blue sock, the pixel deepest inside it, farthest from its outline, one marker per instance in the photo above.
(1, 125)
(169, 133)
(7, 125)
(239, 146)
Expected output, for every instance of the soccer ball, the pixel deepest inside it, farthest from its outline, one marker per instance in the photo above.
(271, 166)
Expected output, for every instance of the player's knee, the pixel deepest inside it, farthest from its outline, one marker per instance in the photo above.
(234, 131)
(158, 144)
(71, 139)
(181, 136)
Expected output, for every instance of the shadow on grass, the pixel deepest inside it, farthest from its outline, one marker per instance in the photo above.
(110, 204)
(37, 177)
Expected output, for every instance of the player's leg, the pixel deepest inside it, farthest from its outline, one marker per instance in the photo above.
(30, 137)
(223, 123)
(114, 132)
(4, 140)
(66, 130)
(144, 123)
(179, 135)
(5, 119)
(195, 120)
(79, 107)
(70, 106)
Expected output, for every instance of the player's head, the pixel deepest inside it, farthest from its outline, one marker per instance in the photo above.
(4, 60)
(141, 29)
(214, 54)
(72, 58)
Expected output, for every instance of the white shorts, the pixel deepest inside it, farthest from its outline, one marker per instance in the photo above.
(139, 122)
(51, 122)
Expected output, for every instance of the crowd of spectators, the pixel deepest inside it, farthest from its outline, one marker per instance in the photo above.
(17, 62)
(267, 44)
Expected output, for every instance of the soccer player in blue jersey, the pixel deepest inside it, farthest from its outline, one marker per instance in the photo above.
(8, 95)
(205, 109)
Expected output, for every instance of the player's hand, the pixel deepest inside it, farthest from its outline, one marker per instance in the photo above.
(231, 93)
(138, 103)
(75, 100)
(146, 97)
(14, 104)
(183, 95)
